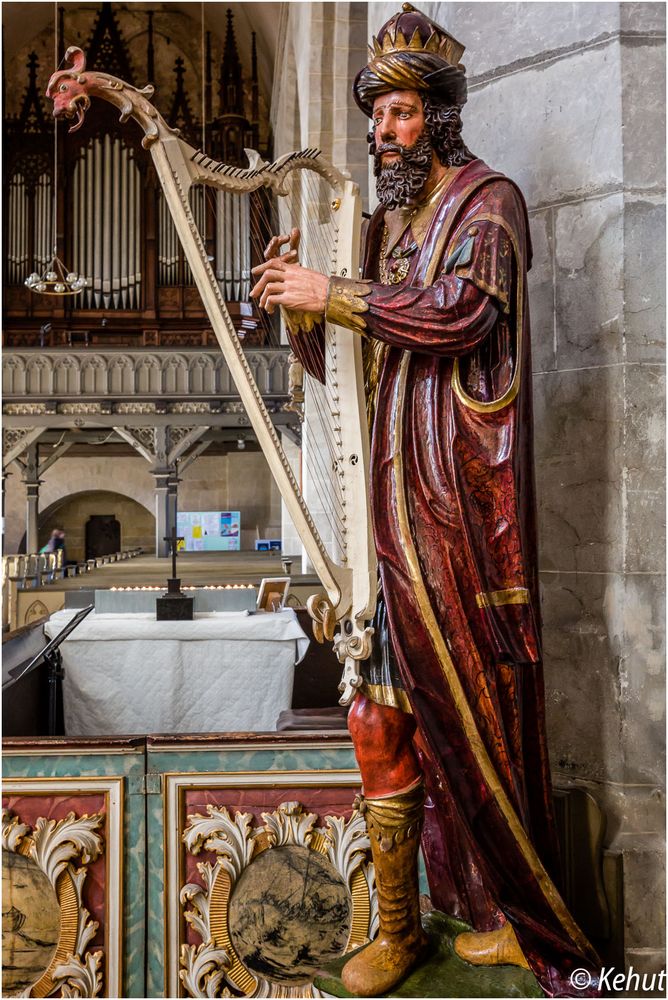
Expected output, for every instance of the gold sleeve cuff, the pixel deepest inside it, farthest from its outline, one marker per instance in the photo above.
(300, 322)
(346, 302)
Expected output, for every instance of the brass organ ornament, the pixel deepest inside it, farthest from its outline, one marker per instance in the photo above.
(346, 565)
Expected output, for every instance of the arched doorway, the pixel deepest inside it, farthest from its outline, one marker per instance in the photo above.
(103, 535)
(83, 517)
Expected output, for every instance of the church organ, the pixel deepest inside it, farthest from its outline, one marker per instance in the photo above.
(106, 224)
(113, 224)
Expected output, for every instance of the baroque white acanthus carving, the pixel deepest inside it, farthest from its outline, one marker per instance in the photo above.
(235, 841)
(54, 845)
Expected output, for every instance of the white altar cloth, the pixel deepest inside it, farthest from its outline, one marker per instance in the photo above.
(222, 672)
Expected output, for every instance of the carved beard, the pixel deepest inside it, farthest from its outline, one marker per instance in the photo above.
(400, 182)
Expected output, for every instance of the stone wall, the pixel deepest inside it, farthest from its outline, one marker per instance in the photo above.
(237, 481)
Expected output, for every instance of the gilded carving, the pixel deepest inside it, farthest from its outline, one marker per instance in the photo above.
(272, 861)
(57, 852)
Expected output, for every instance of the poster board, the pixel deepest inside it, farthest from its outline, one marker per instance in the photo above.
(208, 530)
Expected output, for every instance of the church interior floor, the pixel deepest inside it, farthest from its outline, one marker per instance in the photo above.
(196, 569)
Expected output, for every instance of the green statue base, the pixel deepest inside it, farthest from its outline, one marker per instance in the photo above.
(443, 973)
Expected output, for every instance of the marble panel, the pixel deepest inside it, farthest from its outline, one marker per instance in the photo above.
(645, 550)
(644, 898)
(130, 765)
(578, 447)
(589, 256)
(643, 678)
(554, 128)
(643, 17)
(582, 646)
(643, 72)
(541, 293)
(501, 34)
(163, 759)
(645, 427)
(644, 280)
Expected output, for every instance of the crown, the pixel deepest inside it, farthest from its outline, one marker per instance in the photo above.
(426, 36)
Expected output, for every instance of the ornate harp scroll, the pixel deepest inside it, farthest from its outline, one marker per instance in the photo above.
(346, 566)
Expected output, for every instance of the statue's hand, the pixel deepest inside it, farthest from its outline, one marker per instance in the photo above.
(273, 248)
(289, 285)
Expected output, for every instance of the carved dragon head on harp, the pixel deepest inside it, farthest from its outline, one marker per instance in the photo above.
(72, 88)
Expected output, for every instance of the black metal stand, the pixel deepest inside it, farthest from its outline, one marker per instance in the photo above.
(54, 662)
(50, 657)
(174, 606)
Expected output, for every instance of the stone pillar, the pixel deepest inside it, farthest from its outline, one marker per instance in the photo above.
(162, 526)
(32, 483)
(5, 476)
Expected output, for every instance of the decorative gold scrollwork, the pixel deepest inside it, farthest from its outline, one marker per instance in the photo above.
(322, 612)
(53, 845)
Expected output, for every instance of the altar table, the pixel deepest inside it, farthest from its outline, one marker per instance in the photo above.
(221, 672)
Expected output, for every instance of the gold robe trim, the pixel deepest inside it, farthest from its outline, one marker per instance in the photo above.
(496, 598)
(385, 694)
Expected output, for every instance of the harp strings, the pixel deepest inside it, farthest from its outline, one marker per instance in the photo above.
(307, 206)
(311, 206)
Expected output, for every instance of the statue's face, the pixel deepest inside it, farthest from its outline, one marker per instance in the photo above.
(398, 118)
(401, 148)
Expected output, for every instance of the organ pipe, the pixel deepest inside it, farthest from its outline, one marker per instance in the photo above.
(18, 221)
(106, 241)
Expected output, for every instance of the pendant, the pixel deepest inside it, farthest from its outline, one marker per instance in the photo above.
(401, 264)
(398, 270)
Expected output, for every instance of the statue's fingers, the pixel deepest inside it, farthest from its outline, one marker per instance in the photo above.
(271, 294)
(273, 248)
(274, 263)
(260, 285)
(295, 237)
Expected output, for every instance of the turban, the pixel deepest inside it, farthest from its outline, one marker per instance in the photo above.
(411, 52)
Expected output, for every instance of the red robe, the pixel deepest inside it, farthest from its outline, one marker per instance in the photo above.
(452, 496)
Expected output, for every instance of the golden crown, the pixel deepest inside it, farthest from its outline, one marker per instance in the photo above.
(438, 42)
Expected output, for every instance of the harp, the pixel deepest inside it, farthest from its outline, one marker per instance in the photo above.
(334, 527)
